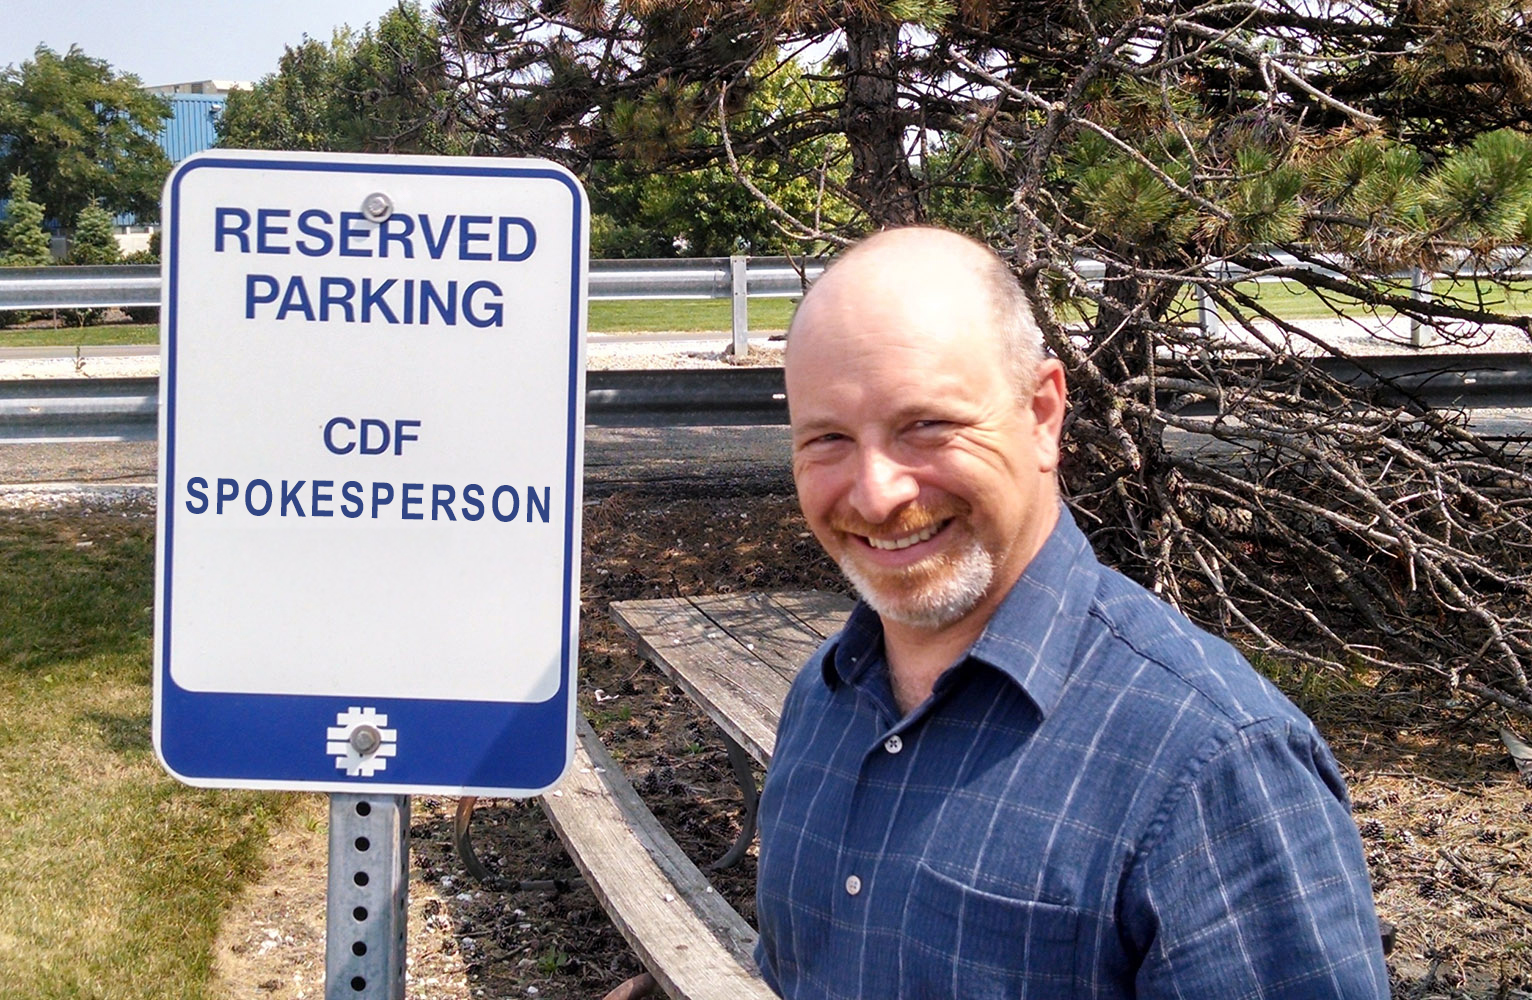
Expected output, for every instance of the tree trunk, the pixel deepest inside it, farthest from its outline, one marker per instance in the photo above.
(881, 179)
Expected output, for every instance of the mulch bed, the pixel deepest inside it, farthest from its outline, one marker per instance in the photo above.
(1444, 818)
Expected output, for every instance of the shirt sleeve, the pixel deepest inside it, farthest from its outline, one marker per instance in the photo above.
(1252, 881)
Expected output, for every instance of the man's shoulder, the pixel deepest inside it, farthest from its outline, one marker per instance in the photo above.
(1187, 665)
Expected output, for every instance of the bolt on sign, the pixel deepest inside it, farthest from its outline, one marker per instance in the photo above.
(373, 387)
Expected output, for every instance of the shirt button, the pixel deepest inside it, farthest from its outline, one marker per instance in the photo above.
(853, 885)
(893, 744)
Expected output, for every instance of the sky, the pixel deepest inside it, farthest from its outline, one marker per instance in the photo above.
(178, 41)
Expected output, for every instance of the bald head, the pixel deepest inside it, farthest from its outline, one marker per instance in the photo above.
(928, 271)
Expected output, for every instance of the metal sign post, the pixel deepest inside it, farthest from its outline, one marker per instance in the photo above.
(371, 440)
(367, 903)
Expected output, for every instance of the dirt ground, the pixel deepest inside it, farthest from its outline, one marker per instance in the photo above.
(1445, 820)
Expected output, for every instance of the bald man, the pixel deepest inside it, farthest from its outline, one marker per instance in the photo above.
(1016, 773)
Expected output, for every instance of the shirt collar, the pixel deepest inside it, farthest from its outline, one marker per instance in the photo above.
(1031, 636)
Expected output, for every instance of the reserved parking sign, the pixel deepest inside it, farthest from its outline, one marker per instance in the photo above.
(372, 386)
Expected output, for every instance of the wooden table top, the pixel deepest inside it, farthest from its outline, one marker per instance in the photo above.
(735, 654)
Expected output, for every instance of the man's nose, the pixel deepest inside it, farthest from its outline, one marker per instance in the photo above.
(883, 485)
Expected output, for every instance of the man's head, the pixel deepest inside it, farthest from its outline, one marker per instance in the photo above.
(925, 423)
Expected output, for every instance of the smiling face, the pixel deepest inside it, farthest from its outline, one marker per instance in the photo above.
(920, 467)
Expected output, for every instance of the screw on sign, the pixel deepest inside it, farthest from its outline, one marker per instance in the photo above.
(360, 742)
(365, 739)
(377, 206)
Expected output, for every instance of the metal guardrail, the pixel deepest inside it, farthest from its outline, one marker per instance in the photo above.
(124, 285)
(85, 287)
(79, 409)
(740, 278)
(121, 285)
(126, 409)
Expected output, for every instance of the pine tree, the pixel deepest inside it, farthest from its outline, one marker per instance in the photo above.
(1178, 148)
(94, 242)
(23, 241)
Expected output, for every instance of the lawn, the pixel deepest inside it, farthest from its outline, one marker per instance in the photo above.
(113, 876)
(83, 336)
(701, 315)
(639, 316)
(1293, 301)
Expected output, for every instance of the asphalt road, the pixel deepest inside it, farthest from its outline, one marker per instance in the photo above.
(681, 461)
(673, 461)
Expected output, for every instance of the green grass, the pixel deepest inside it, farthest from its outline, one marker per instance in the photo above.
(702, 315)
(113, 876)
(642, 316)
(1292, 301)
(83, 336)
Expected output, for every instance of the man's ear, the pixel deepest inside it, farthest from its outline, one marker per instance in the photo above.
(1049, 402)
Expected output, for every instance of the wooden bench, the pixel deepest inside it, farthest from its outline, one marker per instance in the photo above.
(689, 938)
(736, 657)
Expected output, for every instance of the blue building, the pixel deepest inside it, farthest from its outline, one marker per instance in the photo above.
(192, 127)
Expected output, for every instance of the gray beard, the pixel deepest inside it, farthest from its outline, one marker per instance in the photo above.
(958, 586)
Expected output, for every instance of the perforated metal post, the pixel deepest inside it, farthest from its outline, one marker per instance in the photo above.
(368, 900)
(739, 271)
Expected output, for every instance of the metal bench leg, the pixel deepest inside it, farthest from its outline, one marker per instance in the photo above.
(641, 985)
(744, 775)
(462, 839)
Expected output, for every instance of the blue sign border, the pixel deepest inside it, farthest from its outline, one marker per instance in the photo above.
(277, 741)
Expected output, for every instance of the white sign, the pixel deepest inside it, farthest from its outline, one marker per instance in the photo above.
(370, 464)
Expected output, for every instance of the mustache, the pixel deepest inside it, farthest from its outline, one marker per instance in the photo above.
(907, 520)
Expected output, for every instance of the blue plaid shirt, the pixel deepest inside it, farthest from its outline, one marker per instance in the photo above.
(1100, 800)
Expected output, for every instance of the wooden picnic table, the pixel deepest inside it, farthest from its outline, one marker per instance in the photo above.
(736, 655)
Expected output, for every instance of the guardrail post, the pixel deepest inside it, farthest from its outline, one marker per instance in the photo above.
(1420, 291)
(366, 906)
(739, 267)
(1207, 313)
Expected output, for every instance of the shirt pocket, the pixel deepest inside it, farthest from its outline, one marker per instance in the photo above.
(961, 941)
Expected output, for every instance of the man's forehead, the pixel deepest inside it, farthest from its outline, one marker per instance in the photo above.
(909, 262)
(861, 310)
